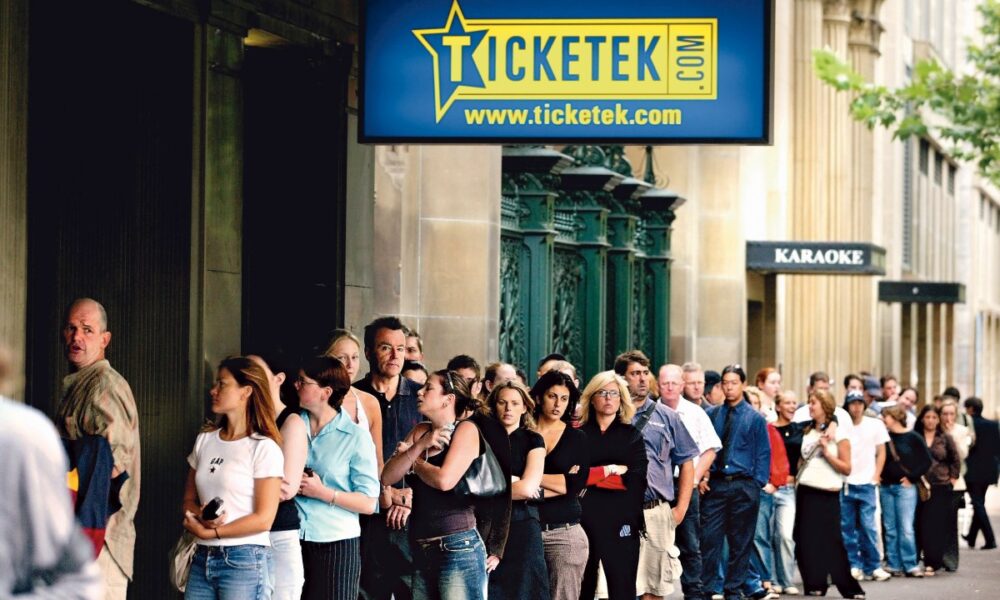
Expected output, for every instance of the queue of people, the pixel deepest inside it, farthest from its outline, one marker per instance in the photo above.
(469, 484)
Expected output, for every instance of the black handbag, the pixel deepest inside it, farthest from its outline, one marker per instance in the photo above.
(484, 478)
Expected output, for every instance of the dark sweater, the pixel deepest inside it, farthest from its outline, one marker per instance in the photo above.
(569, 454)
(914, 459)
(620, 444)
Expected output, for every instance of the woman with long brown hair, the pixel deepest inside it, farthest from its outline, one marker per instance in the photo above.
(434, 457)
(819, 546)
(933, 526)
(233, 485)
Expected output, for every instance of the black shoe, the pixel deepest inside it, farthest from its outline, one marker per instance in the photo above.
(970, 541)
(992, 546)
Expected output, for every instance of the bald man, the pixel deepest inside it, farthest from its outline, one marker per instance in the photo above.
(96, 400)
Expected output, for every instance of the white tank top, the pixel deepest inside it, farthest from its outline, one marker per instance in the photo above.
(362, 419)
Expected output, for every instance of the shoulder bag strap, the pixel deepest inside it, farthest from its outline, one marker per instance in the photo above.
(644, 418)
(895, 457)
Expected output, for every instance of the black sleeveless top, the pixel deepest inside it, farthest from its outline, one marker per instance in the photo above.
(287, 517)
(437, 513)
(523, 441)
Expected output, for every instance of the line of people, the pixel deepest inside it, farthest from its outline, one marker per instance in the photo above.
(308, 485)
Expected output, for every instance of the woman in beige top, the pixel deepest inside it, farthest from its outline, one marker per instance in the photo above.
(362, 407)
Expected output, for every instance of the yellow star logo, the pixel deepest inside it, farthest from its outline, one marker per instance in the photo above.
(451, 49)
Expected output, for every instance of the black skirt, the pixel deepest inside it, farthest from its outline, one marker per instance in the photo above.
(522, 572)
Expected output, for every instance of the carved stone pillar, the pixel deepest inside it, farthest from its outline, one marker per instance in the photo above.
(806, 295)
(863, 209)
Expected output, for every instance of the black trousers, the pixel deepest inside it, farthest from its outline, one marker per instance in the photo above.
(933, 525)
(819, 544)
(980, 520)
(387, 568)
(332, 569)
(688, 540)
(950, 559)
(616, 546)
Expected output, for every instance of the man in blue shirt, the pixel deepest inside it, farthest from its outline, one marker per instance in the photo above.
(387, 560)
(729, 508)
(668, 444)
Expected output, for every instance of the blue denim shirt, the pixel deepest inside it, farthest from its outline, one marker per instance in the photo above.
(668, 443)
(399, 415)
(749, 453)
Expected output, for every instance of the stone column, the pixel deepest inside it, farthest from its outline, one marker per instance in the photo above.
(864, 211)
(805, 331)
(217, 211)
(437, 246)
(14, 185)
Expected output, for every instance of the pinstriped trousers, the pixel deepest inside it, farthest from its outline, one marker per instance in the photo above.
(332, 569)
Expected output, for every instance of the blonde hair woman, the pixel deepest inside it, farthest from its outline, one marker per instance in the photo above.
(362, 407)
(963, 438)
(612, 506)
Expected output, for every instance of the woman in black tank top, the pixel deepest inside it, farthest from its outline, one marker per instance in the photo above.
(433, 457)
(288, 574)
(521, 574)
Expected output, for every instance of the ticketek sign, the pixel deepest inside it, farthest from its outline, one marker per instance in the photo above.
(669, 71)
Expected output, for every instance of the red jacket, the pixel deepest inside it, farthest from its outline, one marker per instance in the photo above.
(779, 458)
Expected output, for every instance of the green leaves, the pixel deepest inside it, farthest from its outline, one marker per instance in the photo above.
(967, 104)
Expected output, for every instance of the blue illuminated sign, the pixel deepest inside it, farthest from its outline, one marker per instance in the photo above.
(519, 71)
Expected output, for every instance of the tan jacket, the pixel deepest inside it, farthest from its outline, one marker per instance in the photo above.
(97, 400)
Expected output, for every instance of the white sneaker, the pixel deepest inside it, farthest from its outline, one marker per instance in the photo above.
(776, 589)
(858, 574)
(718, 597)
(791, 591)
(881, 574)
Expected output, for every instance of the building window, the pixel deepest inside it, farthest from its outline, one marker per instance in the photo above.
(938, 167)
(908, 203)
(925, 154)
(952, 173)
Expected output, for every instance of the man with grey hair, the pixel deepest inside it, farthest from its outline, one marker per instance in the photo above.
(694, 382)
(96, 400)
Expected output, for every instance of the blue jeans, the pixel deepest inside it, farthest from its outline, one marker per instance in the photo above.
(857, 525)
(453, 567)
(762, 556)
(783, 544)
(899, 508)
(230, 573)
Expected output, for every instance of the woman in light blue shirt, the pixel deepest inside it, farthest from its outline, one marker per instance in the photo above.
(340, 482)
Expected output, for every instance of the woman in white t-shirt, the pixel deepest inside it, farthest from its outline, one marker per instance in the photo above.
(239, 461)
(819, 546)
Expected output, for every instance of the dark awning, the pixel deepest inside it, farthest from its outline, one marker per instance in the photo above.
(921, 292)
(829, 258)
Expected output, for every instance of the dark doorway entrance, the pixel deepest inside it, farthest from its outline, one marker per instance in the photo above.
(109, 216)
(293, 207)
